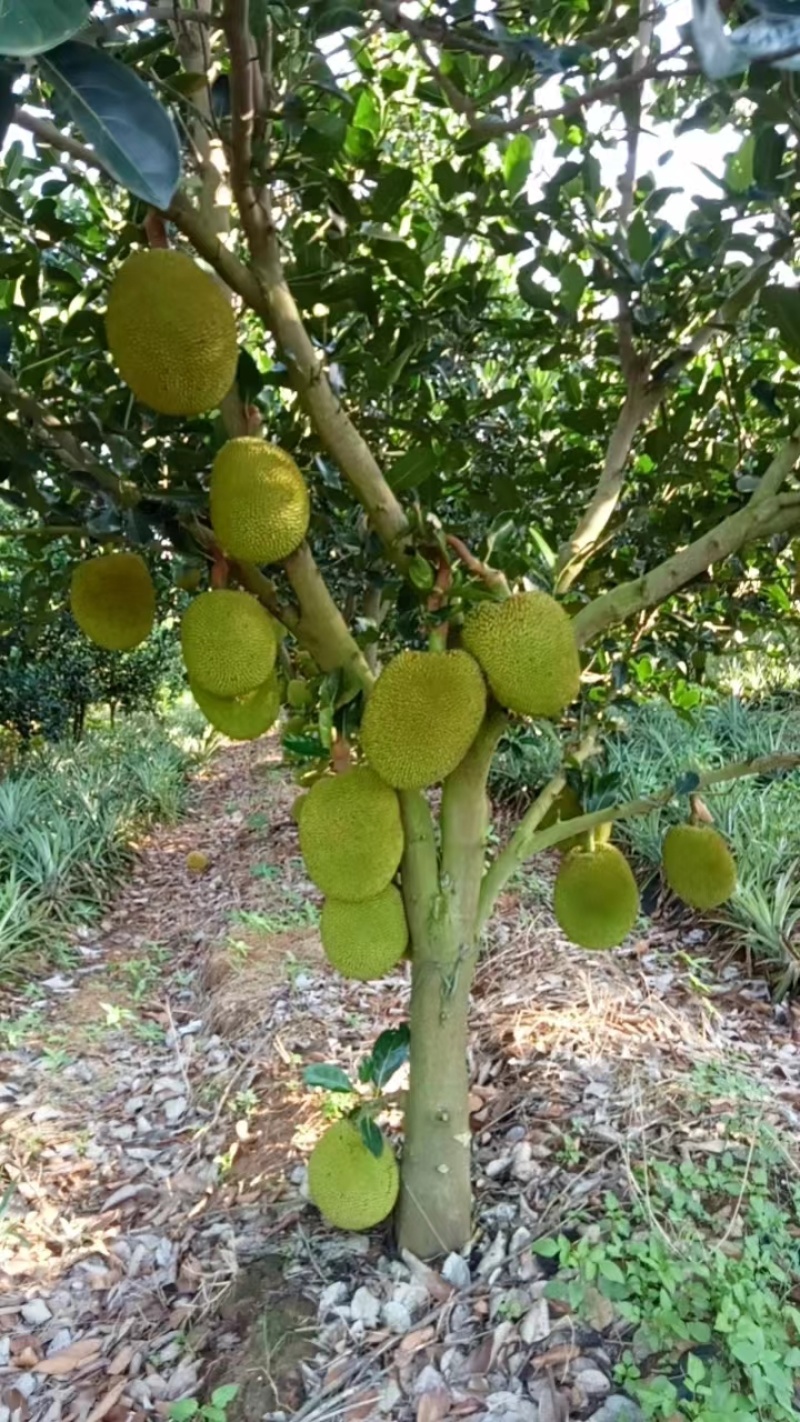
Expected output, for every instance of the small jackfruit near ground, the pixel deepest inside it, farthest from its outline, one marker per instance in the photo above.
(171, 333)
(351, 835)
(698, 865)
(422, 716)
(197, 862)
(365, 940)
(527, 649)
(350, 1186)
(298, 694)
(229, 642)
(596, 899)
(241, 718)
(113, 600)
(258, 501)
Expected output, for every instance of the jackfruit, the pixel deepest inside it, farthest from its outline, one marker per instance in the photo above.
(197, 862)
(698, 865)
(113, 600)
(229, 642)
(241, 718)
(527, 649)
(258, 501)
(567, 806)
(422, 716)
(351, 835)
(368, 939)
(350, 1186)
(171, 333)
(297, 806)
(596, 899)
(298, 694)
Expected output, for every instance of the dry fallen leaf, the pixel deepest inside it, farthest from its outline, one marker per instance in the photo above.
(107, 1402)
(556, 1357)
(432, 1406)
(65, 1362)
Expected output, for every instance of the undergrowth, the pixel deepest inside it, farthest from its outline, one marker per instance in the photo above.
(69, 814)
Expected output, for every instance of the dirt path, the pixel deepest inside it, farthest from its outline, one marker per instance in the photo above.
(153, 1125)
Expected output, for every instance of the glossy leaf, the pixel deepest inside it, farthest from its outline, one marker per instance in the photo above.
(32, 26)
(517, 163)
(389, 1053)
(371, 1136)
(330, 1078)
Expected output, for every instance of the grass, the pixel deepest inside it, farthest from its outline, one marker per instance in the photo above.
(69, 814)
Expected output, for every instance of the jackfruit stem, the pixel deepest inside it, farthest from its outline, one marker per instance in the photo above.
(437, 640)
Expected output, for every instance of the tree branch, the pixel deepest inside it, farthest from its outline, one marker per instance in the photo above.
(74, 454)
(321, 627)
(631, 366)
(523, 845)
(236, 24)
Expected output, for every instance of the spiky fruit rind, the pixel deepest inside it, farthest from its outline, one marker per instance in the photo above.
(113, 600)
(258, 501)
(527, 649)
(596, 899)
(698, 865)
(171, 332)
(241, 718)
(422, 716)
(350, 1186)
(197, 862)
(351, 835)
(365, 940)
(229, 642)
(298, 694)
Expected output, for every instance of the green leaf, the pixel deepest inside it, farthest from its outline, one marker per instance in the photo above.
(532, 292)
(221, 1396)
(739, 167)
(367, 113)
(768, 154)
(183, 1410)
(414, 467)
(546, 1248)
(517, 163)
(391, 191)
(611, 1271)
(305, 747)
(782, 307)
(421, 573)
(32, 26)
(132, 135)
(573, 284)
(371, 1136)
(404, 261)
(389, 1053)
(330, 1078)
(639, 240)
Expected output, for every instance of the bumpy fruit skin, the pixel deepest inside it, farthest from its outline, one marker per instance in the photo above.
(241, 718)
(298, 694)
(596, 900)
(197, 862)
(422, 716)
(350, 1186)
(527, 649)
(351, 835)
(368, 939)
(258, 501)
(171, 333)
(698, 865)
(229, 642)
(113, 600)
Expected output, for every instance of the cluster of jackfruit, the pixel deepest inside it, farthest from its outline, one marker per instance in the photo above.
(526, 648)
(113, 600)
(698, 865)
(351, 838)
(229, 645)
(258, 501)
(596, 899)
(350, 1186)
(171, 333)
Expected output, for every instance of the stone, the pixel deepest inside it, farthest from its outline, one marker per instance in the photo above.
(455, 1271)
(413, 1297)
(618, 1408)
(429, 1380)
(507, 1407)
(365, 1308)
(60, 1340)
(174, 1108)
(36, 1313)
(494, 1256)
(396, 1317)
(592, 1382)
(332, 1296)
(523, 1167)
(535, 1326)
(498, 1167)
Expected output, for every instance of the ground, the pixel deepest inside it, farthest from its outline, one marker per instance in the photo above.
(157, 1243)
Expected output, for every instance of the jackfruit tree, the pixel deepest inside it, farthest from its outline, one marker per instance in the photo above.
(394, 338)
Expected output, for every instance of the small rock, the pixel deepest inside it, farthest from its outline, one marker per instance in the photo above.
(523, 1167)
(515, 1133)
(593, 1383)
(5, 1352)
(413, 1297)
(429, 1380)
(391, 1394)
(302, 982)
(455, 1271)
(365, 1308)
(618, 1409)
(174, 1108)
(26, 1383)
(135, 1104)
(36, 1312)
(5, 1414)
(535, 1326)
(396, 1317)
(61, 1339)
(494, 1256)
(330, 1297)
(498, 1167)
(510, 1408)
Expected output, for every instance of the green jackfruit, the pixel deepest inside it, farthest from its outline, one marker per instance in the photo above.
(422, 716)
(351, 835)
(197, 862)
(365, 940)
(258, 501)
(229, 642)
(698, 865)
(297, 806)
(527, 649)
(596, 900)
(171, 332)
(298, 694)
(113, 600)
(350, 1186)
(241, 718)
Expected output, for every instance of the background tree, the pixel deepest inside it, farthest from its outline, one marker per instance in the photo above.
(478, 332)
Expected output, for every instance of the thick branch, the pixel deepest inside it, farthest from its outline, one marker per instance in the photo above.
(523, 845)
(776, 514)
(236, 23)
(321, 627)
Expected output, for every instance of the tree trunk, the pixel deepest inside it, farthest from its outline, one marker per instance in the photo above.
(435, 1210)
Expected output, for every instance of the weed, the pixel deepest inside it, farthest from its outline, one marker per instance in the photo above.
(212, 1411)
(244, 1103)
